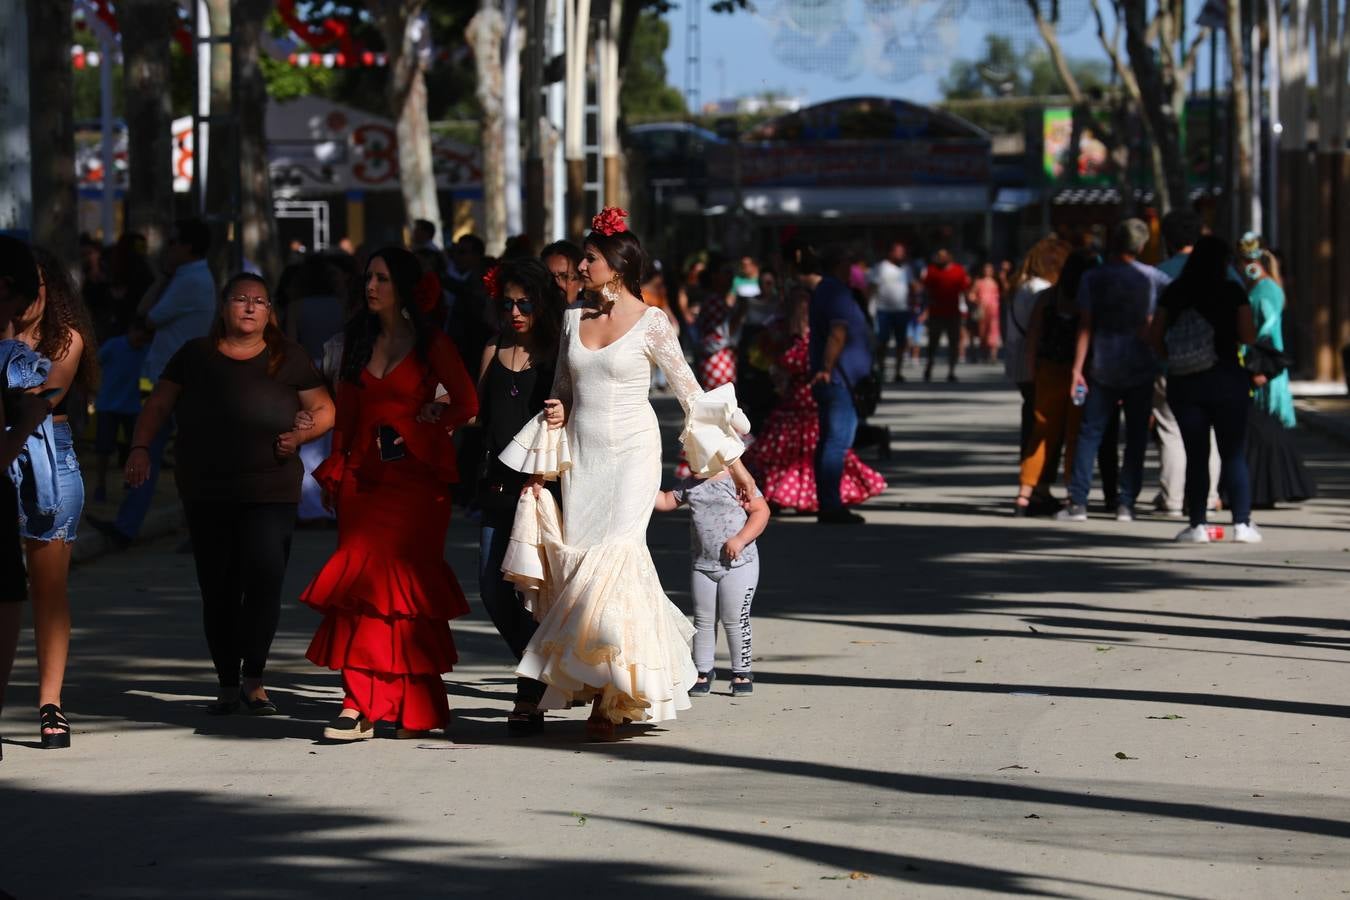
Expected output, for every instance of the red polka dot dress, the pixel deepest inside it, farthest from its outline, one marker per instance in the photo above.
(783, 455)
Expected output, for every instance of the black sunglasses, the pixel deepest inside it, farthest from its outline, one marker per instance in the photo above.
(526, 307)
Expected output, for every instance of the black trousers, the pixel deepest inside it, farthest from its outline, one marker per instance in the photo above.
(241, 550)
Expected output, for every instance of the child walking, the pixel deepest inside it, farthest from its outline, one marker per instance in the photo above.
(725, 574)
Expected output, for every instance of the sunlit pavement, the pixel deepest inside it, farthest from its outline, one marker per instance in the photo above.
(948, 701)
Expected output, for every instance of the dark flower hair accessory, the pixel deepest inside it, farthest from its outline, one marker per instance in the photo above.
(610, 220)
(491, 282)
(427, 292)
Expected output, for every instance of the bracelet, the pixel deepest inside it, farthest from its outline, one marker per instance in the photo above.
(136, 447)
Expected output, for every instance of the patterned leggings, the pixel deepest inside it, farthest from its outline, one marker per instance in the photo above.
(724, 595)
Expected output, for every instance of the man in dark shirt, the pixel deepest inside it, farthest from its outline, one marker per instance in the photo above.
(840, 357)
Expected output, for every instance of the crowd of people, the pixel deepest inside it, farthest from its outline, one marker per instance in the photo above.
(1191, 350)
(380, 390)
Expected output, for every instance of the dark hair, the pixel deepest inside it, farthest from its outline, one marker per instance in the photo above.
(531, 276)
(1079, 263)
(195, 233)
(623, 253)
(1181, 228)
(313, 277)
(472, 242)
(563, 248)
(17, 265)
(517, 246)
(64, 313)
(1207, 265)
(364, 326)
(273, 336)
(425, 225)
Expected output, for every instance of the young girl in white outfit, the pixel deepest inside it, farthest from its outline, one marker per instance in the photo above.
(725, 561)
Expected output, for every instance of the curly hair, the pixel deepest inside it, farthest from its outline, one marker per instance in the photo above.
(364, 327)
(1044, 260)
(537, 282)
(63, 315)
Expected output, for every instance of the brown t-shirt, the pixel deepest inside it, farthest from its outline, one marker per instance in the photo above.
(229, 414)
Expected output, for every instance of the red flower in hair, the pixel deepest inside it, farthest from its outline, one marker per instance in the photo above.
(427, 292)
(610, 220)
(491, 281)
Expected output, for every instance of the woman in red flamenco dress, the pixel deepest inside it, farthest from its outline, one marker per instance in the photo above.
(782, 457)
(387, 594)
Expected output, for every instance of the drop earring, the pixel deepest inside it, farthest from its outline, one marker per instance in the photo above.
(610, 292)
(406, 314)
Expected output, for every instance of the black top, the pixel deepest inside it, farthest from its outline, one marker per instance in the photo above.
(229, 415)
(510, 399)
(507, 400)
(1059, 333)
(1218, 306)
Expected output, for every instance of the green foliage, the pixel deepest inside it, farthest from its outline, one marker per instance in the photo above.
(1003, 72)
(645, 94)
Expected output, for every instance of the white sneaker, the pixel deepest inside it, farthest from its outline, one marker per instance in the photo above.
(1196, 534)
(1247, 533)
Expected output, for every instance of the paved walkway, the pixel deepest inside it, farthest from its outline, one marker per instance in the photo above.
(950, 702)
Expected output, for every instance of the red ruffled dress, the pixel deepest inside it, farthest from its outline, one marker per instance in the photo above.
(387, 594)
(783, 455)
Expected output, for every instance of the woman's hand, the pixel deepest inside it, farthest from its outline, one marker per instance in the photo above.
(536, 484)
(1259, 380)
(430, 413)
(287, 445)
(304, 421)
(138, 467)
(555, 414)
(731, 550)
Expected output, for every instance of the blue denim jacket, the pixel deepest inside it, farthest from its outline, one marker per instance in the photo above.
(34, 471)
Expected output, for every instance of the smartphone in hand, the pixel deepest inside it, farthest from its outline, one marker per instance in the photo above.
(391, 448)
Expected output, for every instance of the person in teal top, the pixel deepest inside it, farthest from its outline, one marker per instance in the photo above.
(1267, 300)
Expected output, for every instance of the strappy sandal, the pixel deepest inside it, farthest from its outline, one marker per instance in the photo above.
(600, 729)
(50, 718)
(703, 686)
(525, 720)
(741, 688)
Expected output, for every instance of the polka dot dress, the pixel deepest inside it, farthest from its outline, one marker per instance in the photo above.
(783, 456)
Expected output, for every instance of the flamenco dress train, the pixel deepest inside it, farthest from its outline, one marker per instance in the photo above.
(783, 454)
(607, 627)
(386, 594)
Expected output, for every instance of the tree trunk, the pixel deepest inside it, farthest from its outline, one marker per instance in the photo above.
(1157, 93)
(1242, 186)
(607, 55)
(52, 121)
(577, 56)
(219, 143)
(485, 33)
(147, 28)
(401, 24)
(257, 217)
(511, 168)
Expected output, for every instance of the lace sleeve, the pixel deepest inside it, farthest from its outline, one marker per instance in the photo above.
(562, 372)
(663, 346)
(713, 423)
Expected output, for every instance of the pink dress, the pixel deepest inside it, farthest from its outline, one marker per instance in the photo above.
(987, 296)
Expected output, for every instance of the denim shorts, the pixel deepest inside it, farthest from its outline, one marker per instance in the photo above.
(60, 526)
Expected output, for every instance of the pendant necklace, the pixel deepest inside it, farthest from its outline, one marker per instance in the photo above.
(515, 389)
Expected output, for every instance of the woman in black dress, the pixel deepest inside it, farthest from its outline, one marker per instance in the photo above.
(515, 377)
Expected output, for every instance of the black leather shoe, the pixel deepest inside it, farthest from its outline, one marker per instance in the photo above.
(839, 516)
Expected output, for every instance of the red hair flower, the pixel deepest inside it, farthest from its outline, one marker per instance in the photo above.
(610, 220)
(427, 292)
(491, 281)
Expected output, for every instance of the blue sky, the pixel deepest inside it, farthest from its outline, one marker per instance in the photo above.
(738, 58)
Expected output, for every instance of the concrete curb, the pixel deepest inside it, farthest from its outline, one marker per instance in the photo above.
(1332, 426)
(159, 522)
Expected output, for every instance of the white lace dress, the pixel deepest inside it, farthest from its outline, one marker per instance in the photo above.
(606, 625)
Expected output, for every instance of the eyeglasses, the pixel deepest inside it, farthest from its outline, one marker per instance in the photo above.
(246, 301)
(526, 307)
(563, 277)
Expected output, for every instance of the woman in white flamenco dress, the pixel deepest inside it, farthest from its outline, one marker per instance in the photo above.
(607, 631)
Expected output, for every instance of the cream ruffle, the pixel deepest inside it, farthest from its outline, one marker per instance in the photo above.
(611, 631)
(526, 564)
(538, 450)
(712, 431)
